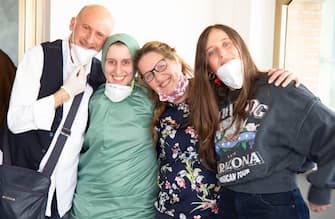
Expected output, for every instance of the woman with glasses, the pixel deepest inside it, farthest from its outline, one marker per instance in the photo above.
(117, 170)
(187, 176)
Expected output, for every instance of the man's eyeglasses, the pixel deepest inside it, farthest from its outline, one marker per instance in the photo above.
(160, 66)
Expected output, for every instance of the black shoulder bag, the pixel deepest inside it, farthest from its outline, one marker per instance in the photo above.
(24, 192)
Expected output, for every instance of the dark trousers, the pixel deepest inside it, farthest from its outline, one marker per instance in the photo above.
(284, 205)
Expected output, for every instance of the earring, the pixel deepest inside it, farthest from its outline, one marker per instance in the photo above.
(211, 76)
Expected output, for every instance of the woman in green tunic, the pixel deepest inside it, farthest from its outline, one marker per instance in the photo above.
(118, 168)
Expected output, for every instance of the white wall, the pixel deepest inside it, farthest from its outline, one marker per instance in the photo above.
(179, 22)
(254, 20)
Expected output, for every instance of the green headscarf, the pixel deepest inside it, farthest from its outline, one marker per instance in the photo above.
(128, 40)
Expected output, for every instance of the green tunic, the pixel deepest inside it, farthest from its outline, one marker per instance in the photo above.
(118, 167)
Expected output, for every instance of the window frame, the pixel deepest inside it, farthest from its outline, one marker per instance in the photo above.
(280, 33)
(34, 24)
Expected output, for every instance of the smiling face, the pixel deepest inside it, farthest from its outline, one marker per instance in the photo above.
(91, 27)
(119, 65)
(165, 79)
(219, 49)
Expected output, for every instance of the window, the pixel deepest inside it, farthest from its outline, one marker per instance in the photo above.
(33, 24)
(305, 44)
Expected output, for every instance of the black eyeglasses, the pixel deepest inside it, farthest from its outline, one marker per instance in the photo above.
(160, 66)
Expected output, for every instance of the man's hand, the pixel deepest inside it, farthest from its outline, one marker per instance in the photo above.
(76, 82)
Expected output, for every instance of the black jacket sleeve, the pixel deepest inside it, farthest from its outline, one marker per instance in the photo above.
(316, 139)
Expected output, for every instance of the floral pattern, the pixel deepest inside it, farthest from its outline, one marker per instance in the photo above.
(187, 189)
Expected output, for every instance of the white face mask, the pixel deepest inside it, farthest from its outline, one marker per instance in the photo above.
(117, 92)
(231, 74)
(82, 56)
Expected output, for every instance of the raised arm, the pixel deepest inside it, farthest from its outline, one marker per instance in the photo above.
(282, 77)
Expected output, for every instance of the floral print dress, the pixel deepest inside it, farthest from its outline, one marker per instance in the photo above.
(187, 189)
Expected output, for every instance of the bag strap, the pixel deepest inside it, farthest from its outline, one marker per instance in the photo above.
(65, 132)
(54, 156)
(5, 149)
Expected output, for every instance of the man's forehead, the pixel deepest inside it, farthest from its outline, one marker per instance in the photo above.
(96, 17)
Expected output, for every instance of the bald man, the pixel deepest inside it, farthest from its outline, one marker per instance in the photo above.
(48, 78)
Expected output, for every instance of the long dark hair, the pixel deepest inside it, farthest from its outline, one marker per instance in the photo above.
(7, 75)
(206, 95)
